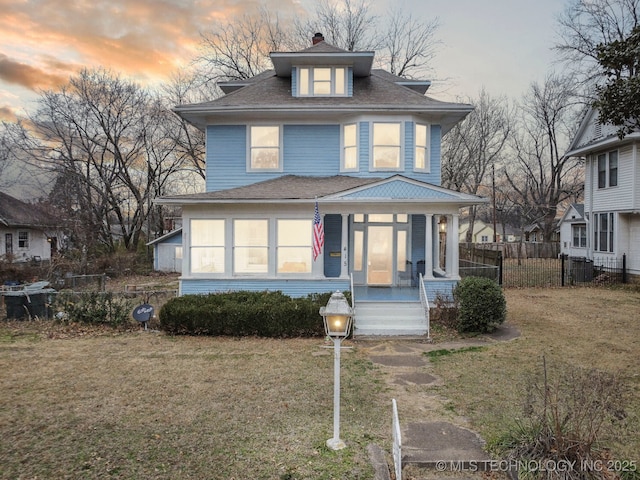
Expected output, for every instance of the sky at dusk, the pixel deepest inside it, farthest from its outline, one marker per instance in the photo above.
(502, 45)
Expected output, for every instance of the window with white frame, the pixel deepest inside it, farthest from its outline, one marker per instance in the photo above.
(421, 161)
(294, 246)
(250, 246)
(386, 146)
(206, 248)
(350, 147)
(603, 232)
(264, 146)
(579, 234)
(322, 81)
(23, 239)
(608, 169)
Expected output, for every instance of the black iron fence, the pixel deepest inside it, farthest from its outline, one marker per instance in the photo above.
(542, 272)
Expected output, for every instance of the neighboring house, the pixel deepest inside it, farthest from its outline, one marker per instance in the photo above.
(573, 231)
(482, 232)
(324, 128)
(167, 252)
(611, 192)
(26, 232)
(534, 233)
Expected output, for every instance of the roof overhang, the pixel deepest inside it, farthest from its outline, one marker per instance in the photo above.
(603, 144)
(361, 62)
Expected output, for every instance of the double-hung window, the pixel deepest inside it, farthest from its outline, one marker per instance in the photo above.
(421, 161)
(264, 146)
(322, 81)
(207, 246)
(603, 232)
(350, 147)
(23, 239)
(579, 233)
(250, 246)
(294, 246)
(608, 169)
(386, 151)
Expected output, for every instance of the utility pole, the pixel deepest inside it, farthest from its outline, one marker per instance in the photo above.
(493, 190)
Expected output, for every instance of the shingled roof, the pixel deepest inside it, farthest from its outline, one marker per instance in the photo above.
(16, 213)
(287, 187)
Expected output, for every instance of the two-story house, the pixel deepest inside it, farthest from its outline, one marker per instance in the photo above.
(611, 192)
(323, 128)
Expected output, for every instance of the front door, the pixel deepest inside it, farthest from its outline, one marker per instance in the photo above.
(380, 245)
(379, 255)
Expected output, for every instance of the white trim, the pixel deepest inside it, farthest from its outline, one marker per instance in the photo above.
(280, 167)
(427, 148)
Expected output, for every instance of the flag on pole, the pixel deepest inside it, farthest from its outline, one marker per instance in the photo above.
(318, 233)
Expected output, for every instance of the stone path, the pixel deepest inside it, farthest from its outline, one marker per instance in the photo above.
(432, 434)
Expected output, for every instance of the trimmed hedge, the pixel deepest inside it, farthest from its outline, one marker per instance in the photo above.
(481, 305)
(245, 313)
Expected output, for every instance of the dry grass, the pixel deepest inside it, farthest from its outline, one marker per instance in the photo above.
(146, 405)
(94, 403)
(586, 327)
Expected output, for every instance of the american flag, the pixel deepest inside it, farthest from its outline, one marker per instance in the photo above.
(318, 233)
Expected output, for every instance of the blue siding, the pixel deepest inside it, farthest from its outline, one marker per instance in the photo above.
(350, 81)
(307, 150)
(226, 156)
(332, 243)
(294, 81)
(444, 288)
(436, 155)
(418, 238)
(293, 288)
(363, 147)
(311, 149)
(409, 147)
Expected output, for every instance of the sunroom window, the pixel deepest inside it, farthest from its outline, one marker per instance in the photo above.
(322, 81)
(250, 246)
(294, 246)
(207, 246)
(386, 146)
(264, 147)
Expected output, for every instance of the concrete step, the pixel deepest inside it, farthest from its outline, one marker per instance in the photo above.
(389, 318)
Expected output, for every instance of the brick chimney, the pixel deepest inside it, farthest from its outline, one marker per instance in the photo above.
(317, 38)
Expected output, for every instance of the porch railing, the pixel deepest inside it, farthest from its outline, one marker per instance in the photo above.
(425, 303)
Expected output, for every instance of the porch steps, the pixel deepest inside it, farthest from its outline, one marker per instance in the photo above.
(389, 318)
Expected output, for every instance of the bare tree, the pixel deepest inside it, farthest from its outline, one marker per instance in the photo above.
(239, 48)
(540, 176)
(106, 140)
(409, 44)
(584, 25)
(474, 146)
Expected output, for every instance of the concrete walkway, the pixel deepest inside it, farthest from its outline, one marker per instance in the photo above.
(436, 443)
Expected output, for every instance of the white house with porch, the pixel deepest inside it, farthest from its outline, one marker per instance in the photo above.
(325, 128)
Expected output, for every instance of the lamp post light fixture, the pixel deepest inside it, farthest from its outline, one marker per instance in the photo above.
(337, 316)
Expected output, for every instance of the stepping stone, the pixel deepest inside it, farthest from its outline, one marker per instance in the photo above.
(415, 378)
(424, 444)
(399, 360)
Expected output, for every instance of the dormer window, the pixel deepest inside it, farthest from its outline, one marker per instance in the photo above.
(322, 81)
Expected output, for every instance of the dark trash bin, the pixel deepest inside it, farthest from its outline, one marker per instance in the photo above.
(32, 301)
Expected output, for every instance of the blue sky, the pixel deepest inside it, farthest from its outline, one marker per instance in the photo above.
(502, 45)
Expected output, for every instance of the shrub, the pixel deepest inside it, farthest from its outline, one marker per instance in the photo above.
(244, 313)
(481, 305)
(93, 307)
(567, 412)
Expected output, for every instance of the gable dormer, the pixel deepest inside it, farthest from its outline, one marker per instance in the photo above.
(322, 70)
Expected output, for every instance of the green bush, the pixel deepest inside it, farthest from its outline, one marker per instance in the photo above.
(93, 307)
(245, 313)
(481, 305)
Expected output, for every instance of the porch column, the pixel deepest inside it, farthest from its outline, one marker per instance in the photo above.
(453, 253)
(428, 247)
(344, 265)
